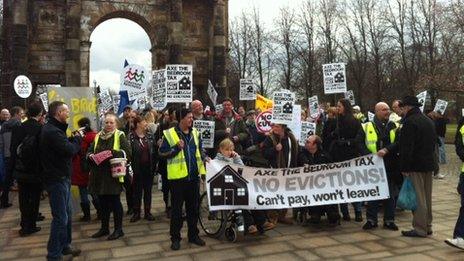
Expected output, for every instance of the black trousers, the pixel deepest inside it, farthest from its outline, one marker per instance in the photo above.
(162, 168)
(142, 185)
(129, 192)
(189, 192)
(108, 204)
(29, 201)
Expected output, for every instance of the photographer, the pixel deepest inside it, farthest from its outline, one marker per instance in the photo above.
(80, 174)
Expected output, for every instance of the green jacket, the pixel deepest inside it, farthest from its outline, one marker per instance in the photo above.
(100, 180)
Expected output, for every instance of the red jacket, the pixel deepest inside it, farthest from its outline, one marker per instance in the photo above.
(79, 177)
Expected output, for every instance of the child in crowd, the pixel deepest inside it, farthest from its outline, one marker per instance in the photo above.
(227, 154)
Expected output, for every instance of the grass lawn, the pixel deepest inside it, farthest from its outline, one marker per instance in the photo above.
(450, 132)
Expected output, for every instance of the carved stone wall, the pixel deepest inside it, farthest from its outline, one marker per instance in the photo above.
(49, 40)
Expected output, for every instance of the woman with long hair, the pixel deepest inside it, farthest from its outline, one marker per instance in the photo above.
(101, 181)
(343, 145)
(144, 166)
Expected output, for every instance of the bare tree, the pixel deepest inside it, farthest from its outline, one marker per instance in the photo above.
(241, 45)
(286, 42)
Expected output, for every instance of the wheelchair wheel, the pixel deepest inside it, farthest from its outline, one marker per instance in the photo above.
(231, 234)
(212, 222)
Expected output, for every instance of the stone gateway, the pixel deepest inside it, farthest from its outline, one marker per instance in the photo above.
(49, 40)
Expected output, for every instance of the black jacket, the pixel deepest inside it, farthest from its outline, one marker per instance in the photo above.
(417, 143)
(320, 157)
(458, 142)
(137, 152)
(343, 139)
(57, 151)
(31, 127)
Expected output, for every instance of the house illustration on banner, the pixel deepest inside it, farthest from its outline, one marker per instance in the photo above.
(228, 187)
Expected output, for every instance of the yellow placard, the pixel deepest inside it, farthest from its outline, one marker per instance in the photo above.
(262, 103)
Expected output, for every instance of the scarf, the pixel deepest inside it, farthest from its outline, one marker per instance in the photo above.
(104, 135)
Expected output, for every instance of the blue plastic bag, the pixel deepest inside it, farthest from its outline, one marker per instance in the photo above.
(407, 197)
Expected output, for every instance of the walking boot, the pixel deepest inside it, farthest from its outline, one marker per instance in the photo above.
(148, 216)
(136, 216)
(86, 210)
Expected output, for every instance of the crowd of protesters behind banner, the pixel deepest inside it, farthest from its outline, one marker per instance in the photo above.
(38, 157)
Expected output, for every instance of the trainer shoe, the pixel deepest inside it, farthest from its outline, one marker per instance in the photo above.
(456, 242)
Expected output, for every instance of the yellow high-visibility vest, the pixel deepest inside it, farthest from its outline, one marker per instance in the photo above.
(372, 137)
(177, 166)
(116, 143)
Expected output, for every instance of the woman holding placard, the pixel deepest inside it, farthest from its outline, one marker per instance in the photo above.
(108, 156)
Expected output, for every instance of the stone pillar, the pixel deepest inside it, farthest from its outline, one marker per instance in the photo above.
(85, 62)
(19, 48)
(220, 48)
(176, 33)
(159, 50)
(73, 45)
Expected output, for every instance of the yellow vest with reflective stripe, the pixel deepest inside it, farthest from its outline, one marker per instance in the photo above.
(461, 130)
(116, 143)
(371, 136)
(177, 166)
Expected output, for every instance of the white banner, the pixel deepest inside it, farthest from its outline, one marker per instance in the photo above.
(313, 103)
(370, 116)
(105, 101)
(295, 125)
(44, 99)
(440, 106)
(134, 77)
(307, 129)
(179, 83)
(212, 93)
(206, 129)
(247, 90)
(334, 78)
(349, 95)
(421, 97)
(136, 94)
(240, 187)
(282, 111)
(116, 99)
(158, 101)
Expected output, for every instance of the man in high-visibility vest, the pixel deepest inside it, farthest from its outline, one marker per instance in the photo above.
(183, 150)
(379, 138)
(458, 234)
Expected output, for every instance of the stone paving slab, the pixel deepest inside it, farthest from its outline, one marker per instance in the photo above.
(150, 240)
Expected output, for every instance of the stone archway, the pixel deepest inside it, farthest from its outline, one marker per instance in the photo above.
(50, 40)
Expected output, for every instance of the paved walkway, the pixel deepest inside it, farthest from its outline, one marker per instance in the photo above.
(150, 240)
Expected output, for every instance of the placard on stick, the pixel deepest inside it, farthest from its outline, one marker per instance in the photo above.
(282, 111)
(334, 78)
(179, 83)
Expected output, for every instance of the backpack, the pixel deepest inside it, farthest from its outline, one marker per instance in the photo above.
(27, 152)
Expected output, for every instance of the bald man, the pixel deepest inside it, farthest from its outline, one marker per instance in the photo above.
(379, 137)
(4, 116)
(197, 110)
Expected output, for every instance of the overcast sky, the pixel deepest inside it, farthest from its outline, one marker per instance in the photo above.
(119, 39)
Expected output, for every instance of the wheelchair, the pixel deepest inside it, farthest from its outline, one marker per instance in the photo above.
(217, 223)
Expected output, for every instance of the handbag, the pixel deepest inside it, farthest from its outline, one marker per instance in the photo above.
(407, 197)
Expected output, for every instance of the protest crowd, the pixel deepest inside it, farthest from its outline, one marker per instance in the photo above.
(40, 158)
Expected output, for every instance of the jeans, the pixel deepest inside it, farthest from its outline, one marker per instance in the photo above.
(441, 151)
(84, 194)
(7, 182)
(459, 228)
(59, 193)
